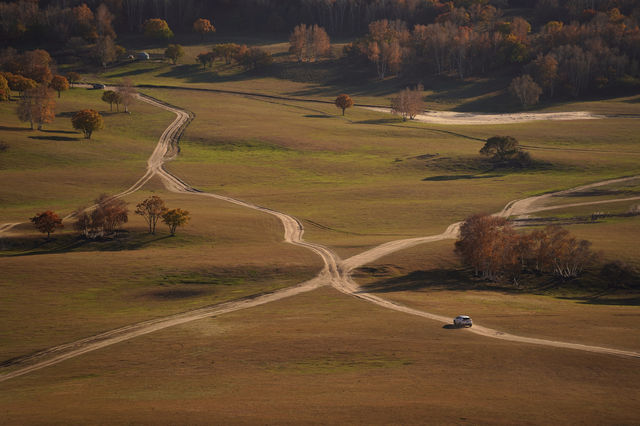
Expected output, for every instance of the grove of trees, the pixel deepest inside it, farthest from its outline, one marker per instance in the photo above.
(309, 43)
(497, 252)
(103, 219)
(153, 209)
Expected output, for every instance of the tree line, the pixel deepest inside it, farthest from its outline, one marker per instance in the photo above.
(601, 51)
(106, 217)
(497, 252)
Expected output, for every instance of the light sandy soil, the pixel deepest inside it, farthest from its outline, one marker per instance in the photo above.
(336, 272)
(450, 117)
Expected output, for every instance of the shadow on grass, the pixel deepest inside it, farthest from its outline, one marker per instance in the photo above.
(64, 132)
(433, 280)
(606, 301)
(19, 247)
(176, 294)
(132, 72)
(55, 138)
(458, 177)
(15, 129)
(318, 116)
(586, 290)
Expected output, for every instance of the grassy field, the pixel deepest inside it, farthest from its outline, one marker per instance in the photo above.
(354, 182)
(59, 170)
(68, 289)
(367, 178)
(325, 358)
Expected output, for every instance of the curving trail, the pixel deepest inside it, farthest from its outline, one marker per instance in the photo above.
(336, 272)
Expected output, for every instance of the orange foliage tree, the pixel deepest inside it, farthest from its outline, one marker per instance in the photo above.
(37, 106)
(344, 101)
(158, 29)
(59, 84)
(174, 218)
(88, 121)
(47, 222)
(203, 27)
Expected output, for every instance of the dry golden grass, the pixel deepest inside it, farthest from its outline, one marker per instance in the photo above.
(430, 277)
(55, 294)
(325, 358)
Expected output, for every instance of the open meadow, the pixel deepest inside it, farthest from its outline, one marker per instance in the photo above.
(292, 167)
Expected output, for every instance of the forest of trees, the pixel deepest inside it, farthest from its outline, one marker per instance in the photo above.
(552, 47)
(599, 51)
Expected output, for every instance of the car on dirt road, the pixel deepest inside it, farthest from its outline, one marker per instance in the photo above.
(462, 321)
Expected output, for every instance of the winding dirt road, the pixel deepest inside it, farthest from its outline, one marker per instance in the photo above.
(336, 272)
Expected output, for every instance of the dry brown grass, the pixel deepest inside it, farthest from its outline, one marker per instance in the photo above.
(325, 358)
(53, 296)
(430, 278)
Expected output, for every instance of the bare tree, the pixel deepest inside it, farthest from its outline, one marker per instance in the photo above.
(525, 89)
(151, 210)
(127, 93)
(408, 103)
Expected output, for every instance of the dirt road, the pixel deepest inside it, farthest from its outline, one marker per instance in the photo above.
(450, 117)
(336, 272)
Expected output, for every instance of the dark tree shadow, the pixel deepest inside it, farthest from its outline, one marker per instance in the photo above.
(15, 129)
(66, 132)
(458, 177)
(55, 138)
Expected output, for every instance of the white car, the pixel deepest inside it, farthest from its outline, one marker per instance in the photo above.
(462, 321)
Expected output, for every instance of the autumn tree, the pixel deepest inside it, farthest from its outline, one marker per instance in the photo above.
(206, 59)
(228, 51)
(114, 212)
(37, 106)
(408, 103)
(104, 218)
(151, 209)
(47, 222)
(105, 51)
(383, 45)
(505, 150)
(104, 19)
(203, 27)
(309, 43)
(343, 102)
(526, 90)
(59, 84)
(127, 93)
(254, 58)
(111, 97)
(174, 218)
(157, 29)
(73, 78)
(20, 84)
(88, 121)
(174, 52)
(544, 70)
(5, 92)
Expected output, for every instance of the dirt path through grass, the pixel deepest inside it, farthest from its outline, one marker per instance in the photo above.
(451, 117)
(336, 272)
